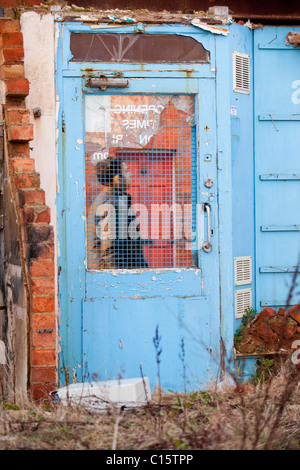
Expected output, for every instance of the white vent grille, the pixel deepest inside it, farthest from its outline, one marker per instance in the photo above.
(241, 72)
(242, 270)
(243, 300)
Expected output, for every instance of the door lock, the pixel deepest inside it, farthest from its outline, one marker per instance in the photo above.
(208, 183)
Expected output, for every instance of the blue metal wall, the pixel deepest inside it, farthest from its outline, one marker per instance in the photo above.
(242, 164)
(253, 142)
(277, 165)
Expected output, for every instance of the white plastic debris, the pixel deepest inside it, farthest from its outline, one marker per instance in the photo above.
(128, 393)
(206, 27)
(128, 19)
(219, 11)
(2, 353)
(227, 385)
(88, 18)
(114, 19)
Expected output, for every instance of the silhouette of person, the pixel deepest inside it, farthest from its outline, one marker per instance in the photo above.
(109, 244)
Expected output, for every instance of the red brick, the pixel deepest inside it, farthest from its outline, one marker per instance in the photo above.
(43, 374)
(45, 304)
(14, 102)
(42, 214)
(12, 71)
(11, 55)
(39, 233)
(266, 334)
(294, 312)
(44, 286)
(16, 87)
(42, 269)
(27, 180)
(18, 149)
(31, 196)
(44, 357)
(40, 393)
(12, 39)
(8, 25)
(41, 251)
(22, 165)
(43, 321)
(282, 312)
(44, 340)
(17, 116)
(27, 215)
(20, 133)
(35, 214)
(267, 312)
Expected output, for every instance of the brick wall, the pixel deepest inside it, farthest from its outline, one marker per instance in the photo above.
(37, 244)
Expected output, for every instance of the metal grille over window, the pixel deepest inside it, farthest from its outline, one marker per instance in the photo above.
(140, 181)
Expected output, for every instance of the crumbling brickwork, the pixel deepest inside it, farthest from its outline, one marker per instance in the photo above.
(271, 332)
(37, 240)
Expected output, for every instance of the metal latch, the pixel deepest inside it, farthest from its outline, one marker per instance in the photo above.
(106, 82)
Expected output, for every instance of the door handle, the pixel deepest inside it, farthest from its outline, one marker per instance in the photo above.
(207, 247)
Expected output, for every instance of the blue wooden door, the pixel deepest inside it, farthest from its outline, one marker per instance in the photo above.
(161, 320)
(277, 166)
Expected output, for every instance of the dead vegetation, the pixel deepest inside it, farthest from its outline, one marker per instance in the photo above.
(264, 414)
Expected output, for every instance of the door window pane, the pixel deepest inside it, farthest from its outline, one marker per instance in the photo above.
(136, 48)
(140, 164)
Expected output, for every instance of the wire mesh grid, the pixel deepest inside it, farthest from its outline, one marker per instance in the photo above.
(139, 181)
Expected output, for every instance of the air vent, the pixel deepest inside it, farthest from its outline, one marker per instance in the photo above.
(242, 270)
(243, 300)
(241, 73)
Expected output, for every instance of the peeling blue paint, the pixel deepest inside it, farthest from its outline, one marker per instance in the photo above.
(194, 304)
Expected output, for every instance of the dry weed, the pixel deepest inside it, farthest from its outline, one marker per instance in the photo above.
(264, 416)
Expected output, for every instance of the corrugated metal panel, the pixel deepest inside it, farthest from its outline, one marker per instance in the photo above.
(277, 189)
